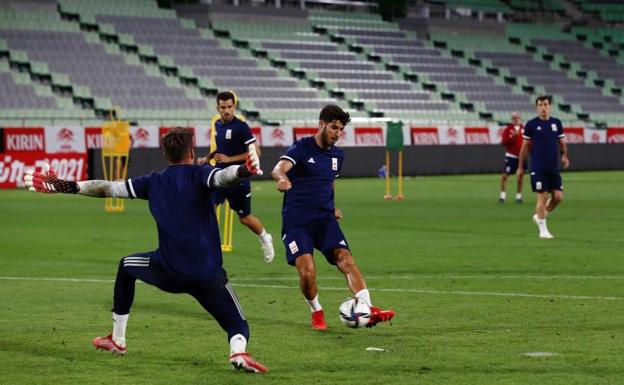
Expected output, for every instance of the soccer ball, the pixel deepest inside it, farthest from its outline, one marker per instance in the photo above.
(355, 313)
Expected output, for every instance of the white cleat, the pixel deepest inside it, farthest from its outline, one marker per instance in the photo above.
(267, 248)
(546, 235)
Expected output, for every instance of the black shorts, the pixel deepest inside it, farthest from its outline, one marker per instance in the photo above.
(511, 165)
(239, 197)
(546, 181)
(323, 234)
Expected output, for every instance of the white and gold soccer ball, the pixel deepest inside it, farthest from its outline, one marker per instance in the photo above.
(355, 313)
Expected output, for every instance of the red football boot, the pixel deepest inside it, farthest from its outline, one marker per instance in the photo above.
(378, 315)
(107, 343)
(248, 364)
(318, 320)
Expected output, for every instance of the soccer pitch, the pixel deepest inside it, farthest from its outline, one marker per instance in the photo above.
(473, 286)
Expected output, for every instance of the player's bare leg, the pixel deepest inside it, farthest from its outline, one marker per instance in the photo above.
(347, 266)
(503, 188)
(307, 283)
(540, 216)
(266, 240)
(519, 190)
(556, 196)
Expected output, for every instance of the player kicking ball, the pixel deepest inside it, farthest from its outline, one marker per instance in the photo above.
(544, 134)
(306, 175)
(188, 258)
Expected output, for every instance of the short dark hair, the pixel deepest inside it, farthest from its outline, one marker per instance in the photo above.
(332, 112)
(176, 143)
(543, 97)
(225, 96)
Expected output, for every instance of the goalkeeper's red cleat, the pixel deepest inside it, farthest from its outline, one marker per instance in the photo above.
(378, 315)
(244, 361)
(107, 343)
(318, 320)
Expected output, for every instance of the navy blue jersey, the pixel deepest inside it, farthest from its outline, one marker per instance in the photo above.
(189, 246)
(233, 138)
(312, 195)
(544, 136)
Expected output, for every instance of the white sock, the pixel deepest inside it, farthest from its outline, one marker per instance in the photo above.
(503, 195)
(541, 223)
(518, 195)
(119, 328)
(315, 305)
(364, 295)
(263, 236)
(238, 344)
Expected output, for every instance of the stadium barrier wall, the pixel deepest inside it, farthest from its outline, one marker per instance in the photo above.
(421, 160)
(428, 150)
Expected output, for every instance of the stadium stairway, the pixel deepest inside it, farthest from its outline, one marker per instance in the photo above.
(328, 63)
(30, 89)
(602, 75)
(188, 103)
(198, 57)
(537, 72)
(96, 75)
(495, 91)
(383, 45)
(275, 41)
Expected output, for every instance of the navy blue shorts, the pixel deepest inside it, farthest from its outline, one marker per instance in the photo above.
(324, 235)
(215, 295)
(239, 197)
(511, 165)
(546, 181)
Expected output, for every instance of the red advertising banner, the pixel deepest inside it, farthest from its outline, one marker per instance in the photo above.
(302, 132)
(615, 135)
(574, 134)
(24, 139)
(93, 138)
(369, 136)
(276, 136)
(425, 136)
(257, 133)
(13, 166)
(477, 135)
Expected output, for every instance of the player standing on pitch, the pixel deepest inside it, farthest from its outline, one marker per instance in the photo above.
(306, 175)
(188, 258)
(233, 138)
(545, 136)
(511, 138)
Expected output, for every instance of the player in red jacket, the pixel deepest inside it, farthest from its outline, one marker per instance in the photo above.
(511, 138)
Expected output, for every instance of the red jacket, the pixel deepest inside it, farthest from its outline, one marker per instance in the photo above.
(512, 144)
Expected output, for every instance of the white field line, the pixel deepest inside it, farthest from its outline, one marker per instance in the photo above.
(418, 291)
(443, 276)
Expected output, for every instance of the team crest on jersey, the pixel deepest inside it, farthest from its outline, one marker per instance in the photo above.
(228, 133)
(539, 128)
(335, 164)
(293, 247)
(554, 127)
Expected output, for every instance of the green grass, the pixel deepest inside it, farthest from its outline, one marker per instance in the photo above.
(473, 287)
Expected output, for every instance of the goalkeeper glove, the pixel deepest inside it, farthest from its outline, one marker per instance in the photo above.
(48, 182)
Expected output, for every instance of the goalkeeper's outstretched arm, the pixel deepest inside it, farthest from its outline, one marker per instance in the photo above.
(48, 182)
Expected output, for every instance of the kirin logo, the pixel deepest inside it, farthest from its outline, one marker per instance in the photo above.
(141, 137)
(65, 135)
(277, 135)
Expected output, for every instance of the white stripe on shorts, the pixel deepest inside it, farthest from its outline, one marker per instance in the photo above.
(235, 299)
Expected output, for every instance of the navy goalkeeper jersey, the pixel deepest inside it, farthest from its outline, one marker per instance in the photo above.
(312, 195)
(189, 246)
